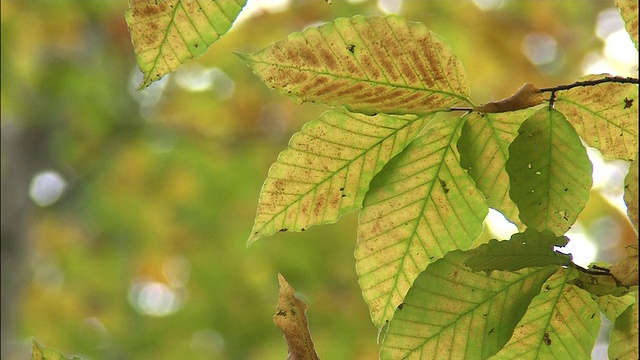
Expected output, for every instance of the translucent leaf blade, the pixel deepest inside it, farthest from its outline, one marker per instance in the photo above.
(562, 322)
(368, 64)
(604, 115)
(421, 206)
(623, 340)
(451, 312)
(549, 172)
(529, 249)
(484, 150)
(326, 170)
(629, 13)
(167, 33)
(631, 192)
(613, 306)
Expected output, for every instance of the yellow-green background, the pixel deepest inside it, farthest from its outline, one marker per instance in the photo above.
(180, 179)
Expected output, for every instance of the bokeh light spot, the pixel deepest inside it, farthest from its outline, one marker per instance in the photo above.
(47, 187)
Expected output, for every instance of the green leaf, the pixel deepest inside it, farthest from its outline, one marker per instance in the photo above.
(604, 115)
(40, 353)
(167, 33)
(599, 285)
(549, 172)
(327, 168)
(419, 207)
(623, 339)
(484, 150)
(612, 306)
(631, 192)
(529, 249)
(629, 13)
(368, 64)
(451, 312)
(562, 322)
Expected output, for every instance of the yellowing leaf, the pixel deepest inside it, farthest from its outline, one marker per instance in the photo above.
(562, 322)
(484, 150)
(626, 270)
(40, 353)
(419, 207)
(613, 306)
(167, 33)
(291, 318)
(549, 172)
(604, 115)
(368, 64)
(629, 13)
(327, 169)
(631, 192)
(623, 340)
(529, 249)
(528, 95)
(451, 312)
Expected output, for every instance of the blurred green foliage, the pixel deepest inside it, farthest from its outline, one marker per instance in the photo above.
(162, 185)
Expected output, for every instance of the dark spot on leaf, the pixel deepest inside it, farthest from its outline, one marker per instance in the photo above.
(400, 306)
(566, 189)
(546, 339)
(343, 195)
(282, 313)
(628, 103)
(351, 48)
(374, 114)
(283, 229)
(303, 229)
(431, 257)
(484, 315)
(341, 189)
(444, 186)
(593, 315)
(195, 45)
(492, 331)
(547, 288)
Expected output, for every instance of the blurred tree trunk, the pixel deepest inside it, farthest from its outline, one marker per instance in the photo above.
(23, 155)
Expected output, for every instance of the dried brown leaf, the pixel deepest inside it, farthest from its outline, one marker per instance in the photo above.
(291, 318)
(527, 96)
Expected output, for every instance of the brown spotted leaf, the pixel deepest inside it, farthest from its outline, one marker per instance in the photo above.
(167, 33)
(629, 12)
(527, 96)
(291, 318)
(604, 115)
(368, 64)
(327, 169)
(419, 207)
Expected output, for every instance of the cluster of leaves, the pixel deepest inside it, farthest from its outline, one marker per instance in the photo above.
(424, 183)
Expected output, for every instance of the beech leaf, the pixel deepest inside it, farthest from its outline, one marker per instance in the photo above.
(451, 312)
(529, 249)
(291, 318)
(562, 322)
(327, 168)
(604, 115)
(167, 33)
(419, 207)
(612, 306)
(527, 96)
(368, 64)
(484, 150)
(40, 353)
(629, 13)
(631, 192)
(549, 172)
(626, 270)
(623, 339)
